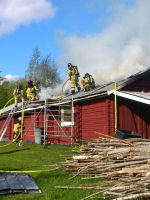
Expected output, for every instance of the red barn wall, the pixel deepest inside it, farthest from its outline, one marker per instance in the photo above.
(8, 130)
(54, 128)
(142, 84)
(32, 121)
(134, 116)
(95, 115)
(90, 116)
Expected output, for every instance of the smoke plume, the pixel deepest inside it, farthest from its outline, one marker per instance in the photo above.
(46, 93)
(121, 49)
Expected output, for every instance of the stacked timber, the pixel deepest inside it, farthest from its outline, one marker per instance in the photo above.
(124, 163)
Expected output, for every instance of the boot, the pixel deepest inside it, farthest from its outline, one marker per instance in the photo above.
(20, 143)
(72, 92)
(79, 89)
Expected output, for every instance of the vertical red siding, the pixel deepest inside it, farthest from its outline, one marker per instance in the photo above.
(111, 115)
(134, 116)
(28, 128)
(8, 130)
(78, 124)
(139, 85)
(97, 115)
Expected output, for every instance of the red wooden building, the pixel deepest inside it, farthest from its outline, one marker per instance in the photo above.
(80, 116)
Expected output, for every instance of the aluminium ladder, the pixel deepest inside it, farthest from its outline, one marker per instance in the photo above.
(7, 122)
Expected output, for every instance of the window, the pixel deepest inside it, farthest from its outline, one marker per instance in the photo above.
(67, 115)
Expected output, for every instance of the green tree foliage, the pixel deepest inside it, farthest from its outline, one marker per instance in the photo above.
(3, 96)
(7, 88)
(43, 70)
(1, 78)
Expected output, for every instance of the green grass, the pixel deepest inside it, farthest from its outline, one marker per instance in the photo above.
(34, 157)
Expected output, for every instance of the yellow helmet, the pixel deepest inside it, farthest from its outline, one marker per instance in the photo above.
(19, 118)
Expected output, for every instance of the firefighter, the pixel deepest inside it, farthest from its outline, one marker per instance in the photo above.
(18, 94)
(17, 130)
(92, 82)
(36, 88)
(88, 82)
(74, 77)
(32, 91)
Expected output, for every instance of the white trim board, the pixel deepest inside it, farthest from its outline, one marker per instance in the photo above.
(133, 97)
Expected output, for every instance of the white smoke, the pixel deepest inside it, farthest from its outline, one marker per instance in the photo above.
(46, 93)
(120, 50)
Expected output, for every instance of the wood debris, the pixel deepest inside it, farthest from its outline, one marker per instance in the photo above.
(124, 164)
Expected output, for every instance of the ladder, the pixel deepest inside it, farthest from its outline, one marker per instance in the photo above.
(7, 122)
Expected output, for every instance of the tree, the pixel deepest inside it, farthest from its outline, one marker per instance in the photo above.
(7, 88)
(43, 70)
(3, 92)
(1, 78)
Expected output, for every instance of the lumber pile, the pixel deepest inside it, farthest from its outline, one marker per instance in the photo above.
(124, 163)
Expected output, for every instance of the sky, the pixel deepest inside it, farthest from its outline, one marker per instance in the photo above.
(108, 38)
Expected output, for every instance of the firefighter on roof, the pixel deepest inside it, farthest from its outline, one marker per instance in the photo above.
(36, 88)
(88, 82)
(74, 77)
(18, 94)
(17, 129)
(32, 90)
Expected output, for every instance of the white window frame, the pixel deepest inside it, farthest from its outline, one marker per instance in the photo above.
(67, 123)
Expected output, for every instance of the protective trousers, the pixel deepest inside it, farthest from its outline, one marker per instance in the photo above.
(86, 87)
(18, 96)
(17, 129)
(74, 83)
(15, 139)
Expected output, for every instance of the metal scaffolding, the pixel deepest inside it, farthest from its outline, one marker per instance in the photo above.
(55, 120)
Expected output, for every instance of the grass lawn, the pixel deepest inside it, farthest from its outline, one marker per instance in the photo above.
(34, 157)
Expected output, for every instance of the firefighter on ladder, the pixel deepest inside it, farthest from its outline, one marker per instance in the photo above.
(18, 94)
(88, 82)
(32, 90)
(74, 77)
(17, 131)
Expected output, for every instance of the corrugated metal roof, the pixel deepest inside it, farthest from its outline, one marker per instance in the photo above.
(98, 90)
(19, 107)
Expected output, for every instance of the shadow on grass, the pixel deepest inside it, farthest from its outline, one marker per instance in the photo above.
(14, 151)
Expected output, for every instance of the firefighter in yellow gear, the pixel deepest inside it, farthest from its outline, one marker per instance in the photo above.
(88, 82)
(18, 94)
(17, 129)
(74, 77)
(32, 91)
